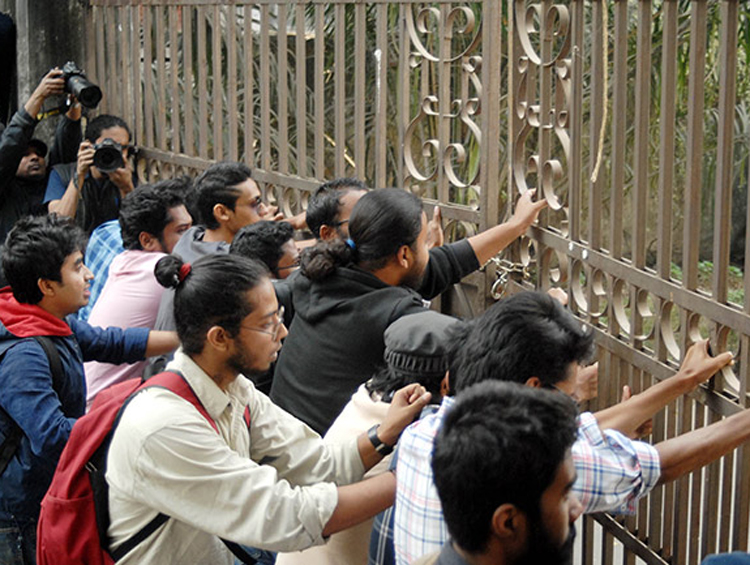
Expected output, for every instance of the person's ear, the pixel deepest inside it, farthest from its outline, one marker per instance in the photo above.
(219, 338)
(533, 382)
(327, 233)
(403, 257)
(149, 242)
(221, 213)
(45, 287)
(510, 526)
(445, 385)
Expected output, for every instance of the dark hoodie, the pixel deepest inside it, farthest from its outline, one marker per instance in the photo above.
(28, 400)
(335, 342)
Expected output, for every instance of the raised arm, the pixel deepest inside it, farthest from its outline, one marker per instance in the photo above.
(490, 242)
(697, 367)
(693, 450)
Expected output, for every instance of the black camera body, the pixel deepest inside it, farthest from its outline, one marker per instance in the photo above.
(108, 155)
(85, 91)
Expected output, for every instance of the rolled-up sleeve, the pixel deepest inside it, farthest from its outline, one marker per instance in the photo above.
(613, 471)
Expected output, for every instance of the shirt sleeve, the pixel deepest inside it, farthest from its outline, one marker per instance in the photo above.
(448, 264)
(55, 187)
(613, 470)
(110, 345)
(297, 452)
(186, 471)
(13, 145)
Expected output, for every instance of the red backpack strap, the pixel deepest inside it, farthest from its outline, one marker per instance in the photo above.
(176, 383)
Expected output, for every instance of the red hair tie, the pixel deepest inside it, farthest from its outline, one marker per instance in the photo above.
(184, 272)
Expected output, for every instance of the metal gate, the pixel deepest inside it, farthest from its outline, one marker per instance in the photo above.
(624, 114)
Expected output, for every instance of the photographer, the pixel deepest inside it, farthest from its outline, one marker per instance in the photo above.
(91, 189)
(23, 160)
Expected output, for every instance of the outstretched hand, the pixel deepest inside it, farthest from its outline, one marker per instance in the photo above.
(272, 214)
(587, 382)
(435, 236)
(527, 210)
(406, 405)
(698, 366)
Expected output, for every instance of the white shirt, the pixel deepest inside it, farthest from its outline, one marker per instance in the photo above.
(264, 489)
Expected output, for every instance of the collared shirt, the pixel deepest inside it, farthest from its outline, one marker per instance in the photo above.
(272, 488)
(613, 472)
(104, 245)
(418, 525)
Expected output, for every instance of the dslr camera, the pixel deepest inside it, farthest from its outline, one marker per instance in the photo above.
(76, 83)
(108, 155)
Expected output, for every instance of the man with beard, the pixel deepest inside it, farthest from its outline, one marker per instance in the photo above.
(530, 339)
(259, 477)
(349, 291)
(504, 472)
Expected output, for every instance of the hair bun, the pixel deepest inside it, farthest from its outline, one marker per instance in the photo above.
(169, 271)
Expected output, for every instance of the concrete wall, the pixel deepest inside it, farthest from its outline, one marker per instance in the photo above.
(49, 33)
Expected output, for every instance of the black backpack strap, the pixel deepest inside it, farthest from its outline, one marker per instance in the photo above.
(140, 536)
(239, 552)
(13, 441)
(55, 363)
(9, 447)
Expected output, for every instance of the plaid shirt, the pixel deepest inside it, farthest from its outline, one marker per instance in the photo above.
(613, 473)
(104, 245)
(613, 470)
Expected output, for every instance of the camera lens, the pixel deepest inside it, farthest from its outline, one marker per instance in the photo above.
(108, 156)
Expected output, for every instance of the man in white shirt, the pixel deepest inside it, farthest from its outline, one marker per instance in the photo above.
(272, 484)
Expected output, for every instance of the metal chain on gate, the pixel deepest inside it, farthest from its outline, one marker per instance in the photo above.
(505, 269)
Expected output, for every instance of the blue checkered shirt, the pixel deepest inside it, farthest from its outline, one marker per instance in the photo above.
(104, 245)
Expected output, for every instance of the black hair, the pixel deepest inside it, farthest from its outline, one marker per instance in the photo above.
(218, 185)
(212, 293)
(263, 241)
(147, 209)
(323, 206)
(97, 125)
(529, 334)
(386, 382)
(501, 443)
(381, 222)
(36, 248)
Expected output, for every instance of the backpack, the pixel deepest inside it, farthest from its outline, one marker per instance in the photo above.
(74, 516)
(10, 444)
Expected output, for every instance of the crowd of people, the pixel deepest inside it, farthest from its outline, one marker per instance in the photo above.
(324, 389)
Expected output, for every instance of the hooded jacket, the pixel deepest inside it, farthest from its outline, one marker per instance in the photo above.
(335, 340)
(29, 401)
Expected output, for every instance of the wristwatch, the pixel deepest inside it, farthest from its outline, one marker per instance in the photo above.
(381, 447)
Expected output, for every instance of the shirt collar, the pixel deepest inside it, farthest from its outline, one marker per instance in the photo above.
(214, 400)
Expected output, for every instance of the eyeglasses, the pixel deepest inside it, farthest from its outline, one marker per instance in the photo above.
(276, 328)
(341, 223)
